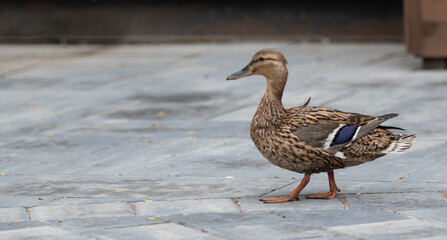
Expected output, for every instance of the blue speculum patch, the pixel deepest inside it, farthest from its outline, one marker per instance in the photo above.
(345, 134)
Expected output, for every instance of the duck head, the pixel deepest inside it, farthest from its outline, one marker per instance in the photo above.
(266, 62)
(271, 64)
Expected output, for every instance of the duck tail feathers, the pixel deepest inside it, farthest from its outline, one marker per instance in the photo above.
(387, 116)
(402, 144)
(391, 128)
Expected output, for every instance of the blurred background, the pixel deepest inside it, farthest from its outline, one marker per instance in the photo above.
(134, 21)
(422, 24)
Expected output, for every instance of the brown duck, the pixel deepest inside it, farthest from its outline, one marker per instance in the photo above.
(313, 139)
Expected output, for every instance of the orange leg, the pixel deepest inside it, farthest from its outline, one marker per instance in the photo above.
(293, 195)
(333, 189)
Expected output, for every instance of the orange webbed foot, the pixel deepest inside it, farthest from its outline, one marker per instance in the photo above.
(293, 195)
(278, 199)
(328, 195)
(333, 189)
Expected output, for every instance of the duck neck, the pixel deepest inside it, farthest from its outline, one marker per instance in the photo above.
(275, 84)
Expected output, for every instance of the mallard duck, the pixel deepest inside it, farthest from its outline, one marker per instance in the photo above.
(313, 139)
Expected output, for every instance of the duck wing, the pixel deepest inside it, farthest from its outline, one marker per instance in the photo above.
(331, 129)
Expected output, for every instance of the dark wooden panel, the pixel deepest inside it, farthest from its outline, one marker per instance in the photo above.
(426, 28)
(413, 27)
(434, 28)
(142, 21)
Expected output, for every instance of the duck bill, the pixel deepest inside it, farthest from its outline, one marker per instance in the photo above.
(240, 74)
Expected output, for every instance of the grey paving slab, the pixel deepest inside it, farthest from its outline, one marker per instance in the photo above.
(89, 225)
(400, 229)
(431, 238)
(156, 231)
(166, 208)
(260, 225)
(15, 214)
(335, 217)
(44, 213)
(398, 201)
(43, 232)
(8, 226)
(435, 215)
(150, 142)
(253, 204)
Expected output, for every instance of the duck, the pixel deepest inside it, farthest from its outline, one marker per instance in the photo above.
(310, 140)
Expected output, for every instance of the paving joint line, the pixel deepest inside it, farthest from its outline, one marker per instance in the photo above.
(413, 217)
(133, 207)
(28, 214)
(344, 200)
(238, 204)
(416, 170)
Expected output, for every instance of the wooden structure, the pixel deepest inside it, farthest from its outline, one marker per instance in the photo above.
(140, 21)
(426, 31)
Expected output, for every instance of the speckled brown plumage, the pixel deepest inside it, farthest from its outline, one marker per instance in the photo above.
(313, 139)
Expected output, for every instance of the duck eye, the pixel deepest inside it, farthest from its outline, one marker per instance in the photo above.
(261, 59)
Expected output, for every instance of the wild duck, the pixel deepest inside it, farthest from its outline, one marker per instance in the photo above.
(313, 139)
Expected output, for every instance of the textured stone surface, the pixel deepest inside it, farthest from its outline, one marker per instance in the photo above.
(45, 213)
(151, 142)
(15, 214)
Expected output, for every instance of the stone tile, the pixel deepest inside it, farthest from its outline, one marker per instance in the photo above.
(8, 226)
(43, 232)
(107, 186)
(397, 201)
(15, 214)
(431, 238)
(435, 214)
(92, 224)
(166, 208)
(266, 225)
(335, 217)
(397, 186)
(44, 213)
(7, 201)
(253, 204)
(156, 231)
(408, 229)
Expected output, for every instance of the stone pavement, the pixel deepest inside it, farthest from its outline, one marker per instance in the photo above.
(151, 142)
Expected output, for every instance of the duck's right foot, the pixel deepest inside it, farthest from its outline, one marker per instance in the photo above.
(293, 195)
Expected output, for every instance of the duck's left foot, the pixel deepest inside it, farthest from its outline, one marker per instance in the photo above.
(333, 189)
(328, 195)
(278, 199)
